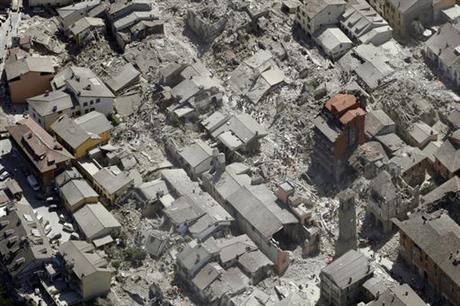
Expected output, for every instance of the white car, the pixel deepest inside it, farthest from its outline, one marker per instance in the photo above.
(68, 227)
(4, 176)
(33, 182)
(47, 229)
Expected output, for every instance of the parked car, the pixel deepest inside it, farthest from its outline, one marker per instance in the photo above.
(55, 236)
(68, 227)
(33, 182)
(51, 200)
(2, 168)
(52, 207)
(47, 229)
(74, 236)
(62, 218)
(4, 176)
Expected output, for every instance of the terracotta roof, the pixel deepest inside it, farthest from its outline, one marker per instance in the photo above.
(42, 150)
(352, 114)
(341, 102)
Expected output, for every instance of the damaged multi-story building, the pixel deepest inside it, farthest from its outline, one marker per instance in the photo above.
(389, 197)
(339, 129)
(133, 20)
(430, 245)
(273, 228)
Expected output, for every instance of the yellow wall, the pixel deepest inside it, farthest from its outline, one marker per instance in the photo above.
(83, 149)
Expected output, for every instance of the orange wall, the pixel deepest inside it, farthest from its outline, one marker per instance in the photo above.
(29, 85)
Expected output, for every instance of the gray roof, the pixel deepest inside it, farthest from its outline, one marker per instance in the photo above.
(331, 38)
(438, 236)
(110, 181)
(408, 157)
(150, 190)
(183, 210)
(404, 5)
(232, 248)
(207, 275)
(439, 193)
(50, 103)
(65, 11)
(377, 121)
(21, 224)
(86, 23)
(82, 258)
(135, 17)
(190, 254)
(383, 187)
(94, 123)
(348, 269)
(14, 69)
(253, 261)
(76, 131)
(83, 82)
(314, 7)
(391, 142)
(422, 133)
(196, 153)
(260, 214)
(243, 126)
(231, 282)
(94, 220)
(449, 155)
(70, 132)
(67, 175)
(444, 45)
(360, 18)
(77, 190)
(399, 295)
(124, 78)
(330, 131)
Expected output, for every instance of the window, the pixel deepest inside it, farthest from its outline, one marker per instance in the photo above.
(92, 109)
(86, 111)
(85, 104)
(351, 136)
(98, 100)
(91, 102)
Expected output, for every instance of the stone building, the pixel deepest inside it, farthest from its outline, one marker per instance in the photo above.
(339, 129)
(430, 244)
(342, 279)
(348, 240)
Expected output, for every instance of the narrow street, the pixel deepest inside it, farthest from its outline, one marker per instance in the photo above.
(8, 30)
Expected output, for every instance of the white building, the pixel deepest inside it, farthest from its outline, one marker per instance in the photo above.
(89, 91)
(315, 14)
(333, 42)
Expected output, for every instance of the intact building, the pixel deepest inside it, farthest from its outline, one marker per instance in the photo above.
(342, 279)
(88, 90)
(82, 134)
(44, 154)
(28, 77)
(20, 259)
(315, 14)
(88, 272)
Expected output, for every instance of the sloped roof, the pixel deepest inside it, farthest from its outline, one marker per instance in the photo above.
(52, 102)
(93, 219)
(348, 269)
(22, 66)
(83, 259)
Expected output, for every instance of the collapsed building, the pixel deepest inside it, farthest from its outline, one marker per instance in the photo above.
(273, 228)
(190, 91)
(207, 24)
(133, 20)
(339, 129)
